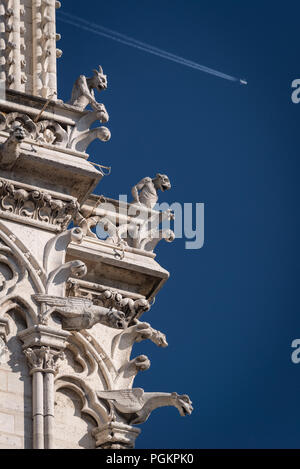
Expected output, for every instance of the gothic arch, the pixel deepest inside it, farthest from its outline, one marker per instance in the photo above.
(21, 254)
(21, 306)
(90, 404)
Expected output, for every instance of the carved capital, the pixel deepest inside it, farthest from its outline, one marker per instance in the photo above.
(116, 435)
(43, 359)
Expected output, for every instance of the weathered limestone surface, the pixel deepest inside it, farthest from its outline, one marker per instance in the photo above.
(73, 430)
(77, 271)
(15, 392)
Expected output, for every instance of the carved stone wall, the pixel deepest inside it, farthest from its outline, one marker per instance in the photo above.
(28, 46)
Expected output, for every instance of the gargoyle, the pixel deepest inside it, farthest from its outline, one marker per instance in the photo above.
(145, 192)
(61, 274)
(141, 331)
(121, 349)
(83, 90)
(144, 235)
(134, 309)
(137, 405)
(80, 313)
(83, 140)
(50, 132)
(145, 331)
(128, 371)
(10, 150)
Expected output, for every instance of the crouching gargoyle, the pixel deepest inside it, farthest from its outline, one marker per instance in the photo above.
(80, 313)
(10, 149)
(83, 95)
(137, 405)
(83, 91)
(146, 191)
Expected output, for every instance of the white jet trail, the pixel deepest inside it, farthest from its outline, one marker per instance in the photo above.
(123, 39)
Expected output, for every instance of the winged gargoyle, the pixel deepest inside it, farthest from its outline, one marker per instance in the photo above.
(137, 405)
(80, 313)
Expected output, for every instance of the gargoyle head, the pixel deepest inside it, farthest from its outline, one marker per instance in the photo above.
(162, 182)
(142, 363)
(18, 134)
(117, 319)
(161, 339)
(99, 79)
(183, 404)
(78, 269)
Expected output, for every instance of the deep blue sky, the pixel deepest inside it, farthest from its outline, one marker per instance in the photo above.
(231, 309)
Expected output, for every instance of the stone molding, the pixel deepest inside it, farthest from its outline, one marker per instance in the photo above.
(33, 206)
(49, 132)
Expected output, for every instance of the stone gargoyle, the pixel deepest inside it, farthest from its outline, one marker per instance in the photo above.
(137, 405)
(146, 191)
(83, 95)
(10, 149)
(121, 349)
(83, 90)
(139, 233)
(80, 313)
(140, 331)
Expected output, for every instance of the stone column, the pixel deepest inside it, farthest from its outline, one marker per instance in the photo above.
(44, 47)
(51, 369)
(16, 40)
(2, 44)
(37, 47)
(35, 361)
(43, 362)
(43, 348)
(50, 45)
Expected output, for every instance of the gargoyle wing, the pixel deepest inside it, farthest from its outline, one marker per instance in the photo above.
(68, 305)
(125, 400)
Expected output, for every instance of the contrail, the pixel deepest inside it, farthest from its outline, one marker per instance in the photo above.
(123, 39)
